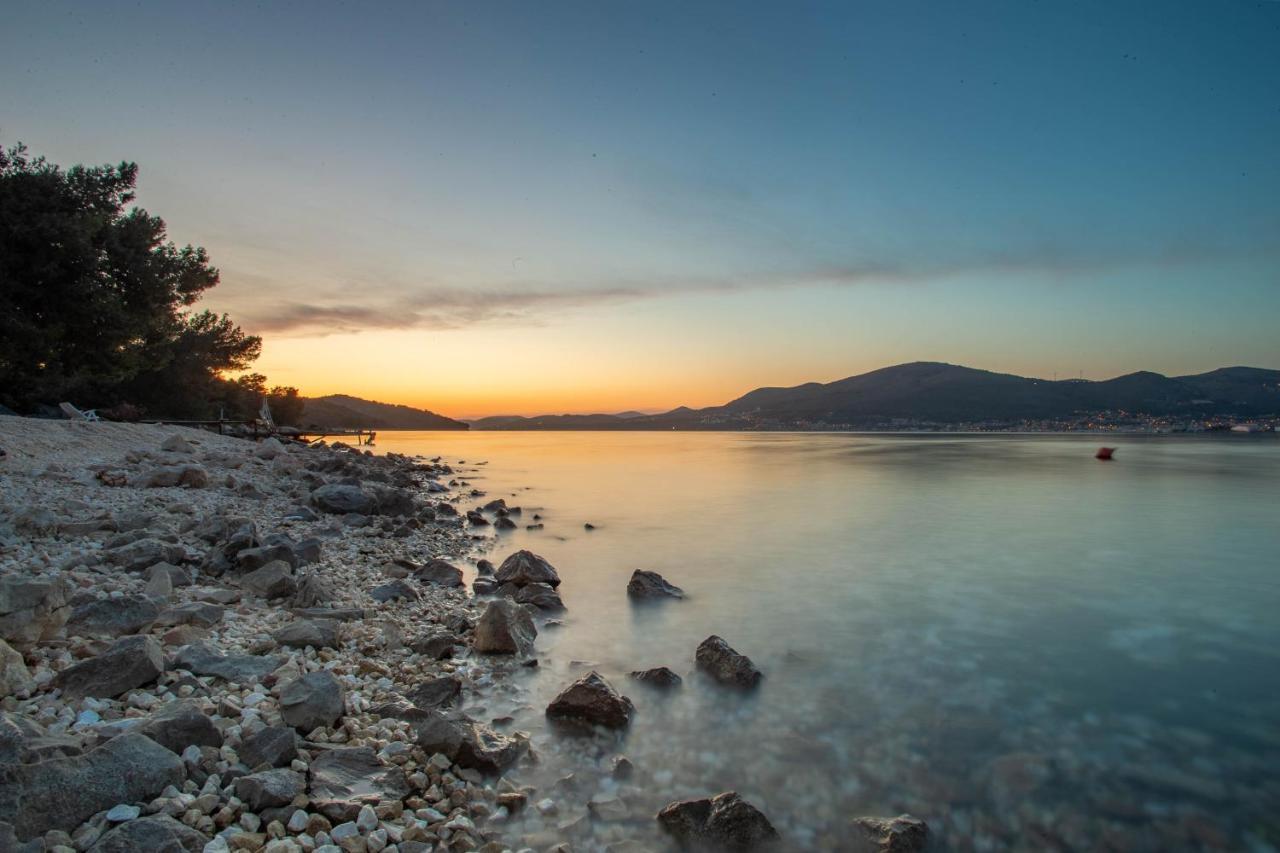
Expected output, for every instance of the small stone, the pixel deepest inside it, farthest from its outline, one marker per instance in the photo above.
(122, 812)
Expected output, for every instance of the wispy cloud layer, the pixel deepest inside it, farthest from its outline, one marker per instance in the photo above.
(404, 305)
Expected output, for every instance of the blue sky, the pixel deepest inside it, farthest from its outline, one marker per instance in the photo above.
(651, 204)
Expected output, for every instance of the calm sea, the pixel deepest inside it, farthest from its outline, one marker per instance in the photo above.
(1026, 647)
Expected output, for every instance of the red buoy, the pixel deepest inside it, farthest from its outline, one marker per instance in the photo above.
(1104, 453)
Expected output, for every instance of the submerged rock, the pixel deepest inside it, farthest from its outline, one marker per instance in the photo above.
(901, 834)
(659, 676)
(540, 595)
(723, 822)
(649, 586)
(525, 567)
(504, 628)
(719, 660)
(592, 700)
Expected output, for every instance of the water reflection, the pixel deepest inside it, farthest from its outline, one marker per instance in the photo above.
(1026, 647)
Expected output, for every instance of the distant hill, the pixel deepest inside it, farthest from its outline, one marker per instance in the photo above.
(340, 411)
(945, 393)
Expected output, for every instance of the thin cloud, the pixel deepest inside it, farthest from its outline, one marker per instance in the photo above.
(401, 305)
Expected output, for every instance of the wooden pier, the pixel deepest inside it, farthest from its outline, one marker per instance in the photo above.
(257, 429)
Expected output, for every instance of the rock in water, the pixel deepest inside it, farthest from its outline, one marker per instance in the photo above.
(648, 586)
(659, 676)
(718, 659)
(156, 834)
(525, 567)
(316, 699)
(130, 662)
(505, 628)
(901, 834)
(591, 699)
(32, 611)
(62, 793)
(540, 595)
(724, 822)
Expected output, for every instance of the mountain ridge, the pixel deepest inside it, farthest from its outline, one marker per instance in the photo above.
(343, 411)
(941, 393)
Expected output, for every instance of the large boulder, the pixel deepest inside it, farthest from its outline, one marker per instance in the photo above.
(33, 610)
(274, 580)
(270, 788)
(505, 628)
(723, 822)
(436, 644)
(144, 553)
(340, 499)
(439, 572)
(394, 590)
(129, 662)
(651, 586)
(62, 793)
(901, 834)
(314, 700)
(717, 659)
(317, 633)
(274, 745)
(204, 659)
(112, 617)
(14, 675)
(463, 741)
(525, 567)
(155, 834)
(593, 701)
(342, 780)
(178, 725)
(436, 692)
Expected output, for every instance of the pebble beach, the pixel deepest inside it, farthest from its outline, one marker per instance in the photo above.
(215, 644)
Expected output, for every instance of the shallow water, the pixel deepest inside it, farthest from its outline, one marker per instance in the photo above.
(1026, 647)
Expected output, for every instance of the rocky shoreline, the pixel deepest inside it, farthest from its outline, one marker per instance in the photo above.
(212, 644)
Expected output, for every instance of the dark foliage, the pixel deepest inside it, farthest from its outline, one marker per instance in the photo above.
(96, 303)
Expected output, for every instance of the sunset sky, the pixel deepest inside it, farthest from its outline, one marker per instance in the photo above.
(545, 207)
